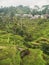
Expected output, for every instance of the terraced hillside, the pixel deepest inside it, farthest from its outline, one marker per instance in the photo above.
(24, 41)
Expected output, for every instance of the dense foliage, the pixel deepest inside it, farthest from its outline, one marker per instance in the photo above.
(23, 37)
(25, 10)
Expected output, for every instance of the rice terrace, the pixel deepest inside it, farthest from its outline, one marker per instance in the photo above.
(24, 34)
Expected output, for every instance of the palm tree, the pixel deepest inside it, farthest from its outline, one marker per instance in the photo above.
(45, 9)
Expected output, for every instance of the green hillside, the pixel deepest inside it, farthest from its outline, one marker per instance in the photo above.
(24, 41)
